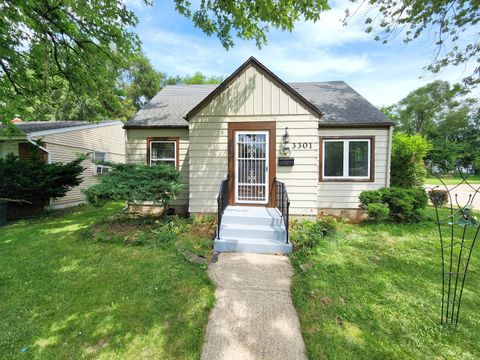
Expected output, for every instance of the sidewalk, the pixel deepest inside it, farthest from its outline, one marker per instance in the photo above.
(254, 317)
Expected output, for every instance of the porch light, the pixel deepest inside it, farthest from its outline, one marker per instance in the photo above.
(285, 140)
(286, 136)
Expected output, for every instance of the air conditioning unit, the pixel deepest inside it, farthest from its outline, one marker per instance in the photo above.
(101, 169)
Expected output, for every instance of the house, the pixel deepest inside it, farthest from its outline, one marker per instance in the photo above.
(247, 145)
(62, 141)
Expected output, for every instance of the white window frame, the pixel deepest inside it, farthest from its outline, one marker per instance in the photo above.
(98, 168)
(346, 147)
(174, 159)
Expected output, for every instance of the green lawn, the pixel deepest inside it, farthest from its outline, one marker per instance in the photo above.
(373, 291)
(473, 179)
(64, 295)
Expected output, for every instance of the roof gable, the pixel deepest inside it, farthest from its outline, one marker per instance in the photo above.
(241, 96)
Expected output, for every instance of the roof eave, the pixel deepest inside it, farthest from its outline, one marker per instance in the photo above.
(127, 127)
(355, 125)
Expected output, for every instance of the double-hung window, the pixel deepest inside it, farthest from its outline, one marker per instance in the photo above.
(99, 157)
(347, 159)
(163, 152)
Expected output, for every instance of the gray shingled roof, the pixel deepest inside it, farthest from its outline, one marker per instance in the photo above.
(170, 105)
(34, 126)
(340, 104)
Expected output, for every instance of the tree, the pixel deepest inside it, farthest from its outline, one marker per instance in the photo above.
(248, 20)
(447, 118)
(451, 26)
(198, 78)
(407, 167)
(140, 81)
(35, 181)
(136, 182)
(52, 43)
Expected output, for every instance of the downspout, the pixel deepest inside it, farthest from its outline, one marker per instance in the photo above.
(389, 156)
(49, 157)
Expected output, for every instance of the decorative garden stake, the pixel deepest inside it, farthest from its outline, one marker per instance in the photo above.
(458, 233)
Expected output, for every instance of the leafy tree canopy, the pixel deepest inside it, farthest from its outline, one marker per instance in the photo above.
(451, 26)
(198, 78)
(49, 45)
(447, 117)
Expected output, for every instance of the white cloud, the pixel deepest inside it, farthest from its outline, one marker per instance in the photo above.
(320, 51)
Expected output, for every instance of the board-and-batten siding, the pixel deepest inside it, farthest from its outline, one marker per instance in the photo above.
(137, 153)
(66, 146)
(344, 195)
(253, 96)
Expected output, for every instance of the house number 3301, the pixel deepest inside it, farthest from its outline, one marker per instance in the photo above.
(300, 145)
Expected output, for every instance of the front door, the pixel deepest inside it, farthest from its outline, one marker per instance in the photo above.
(252, 167)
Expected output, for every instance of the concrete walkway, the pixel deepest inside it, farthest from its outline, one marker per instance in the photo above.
(254, 318)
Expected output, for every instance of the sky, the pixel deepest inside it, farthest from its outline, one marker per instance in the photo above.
(322, 51)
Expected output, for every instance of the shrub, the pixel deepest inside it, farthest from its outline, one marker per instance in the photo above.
(438, 197)
(136, 182)
(407, 167)
(307, 234)
(404, 205)
(378, 212)
(36, 181)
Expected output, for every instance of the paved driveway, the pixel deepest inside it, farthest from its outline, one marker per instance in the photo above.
(462, 193)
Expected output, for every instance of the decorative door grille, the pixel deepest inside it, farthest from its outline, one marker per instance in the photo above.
(251, 167)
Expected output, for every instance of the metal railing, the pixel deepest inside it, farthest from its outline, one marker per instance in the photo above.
(222, 203)
(282, 203)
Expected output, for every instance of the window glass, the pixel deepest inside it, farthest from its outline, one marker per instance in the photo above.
(163, 152)
(333, 158)
(358, 158)
(99, 156)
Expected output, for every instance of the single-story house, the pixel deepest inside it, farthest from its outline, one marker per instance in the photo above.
(247, 145)
(63, 141)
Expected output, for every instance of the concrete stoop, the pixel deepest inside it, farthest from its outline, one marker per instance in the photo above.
(252, 229)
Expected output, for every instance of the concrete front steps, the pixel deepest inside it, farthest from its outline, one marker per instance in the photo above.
(252, 229)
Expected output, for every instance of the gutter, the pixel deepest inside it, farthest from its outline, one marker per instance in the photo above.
(49, 156)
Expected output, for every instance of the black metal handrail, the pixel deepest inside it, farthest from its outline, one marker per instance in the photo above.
(282, 203)
(222, 203)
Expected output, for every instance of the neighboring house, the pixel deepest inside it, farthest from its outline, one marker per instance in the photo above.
(62, 141)
(323, 141)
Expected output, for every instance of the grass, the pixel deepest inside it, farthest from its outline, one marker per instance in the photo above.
(373, 291)
(472, 179)
(75, 286)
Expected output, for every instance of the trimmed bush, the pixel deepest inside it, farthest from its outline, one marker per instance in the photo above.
(438, 197)
(308, 234)
(378, 212)
(404, 205)
(136, 182)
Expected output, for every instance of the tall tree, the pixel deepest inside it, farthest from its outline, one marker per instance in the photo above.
(78, 44)
(447, 118)
(198, 78)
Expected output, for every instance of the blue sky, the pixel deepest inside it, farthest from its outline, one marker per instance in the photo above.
(320, 51)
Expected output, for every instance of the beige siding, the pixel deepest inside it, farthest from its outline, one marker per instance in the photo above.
(252, 97)
(344, 195)
(137, 152)
(65, 147)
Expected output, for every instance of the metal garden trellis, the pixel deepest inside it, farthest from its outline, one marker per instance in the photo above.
(455, 260)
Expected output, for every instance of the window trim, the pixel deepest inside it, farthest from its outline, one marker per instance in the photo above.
(99, 166)
(345, 139)
(151, 140)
